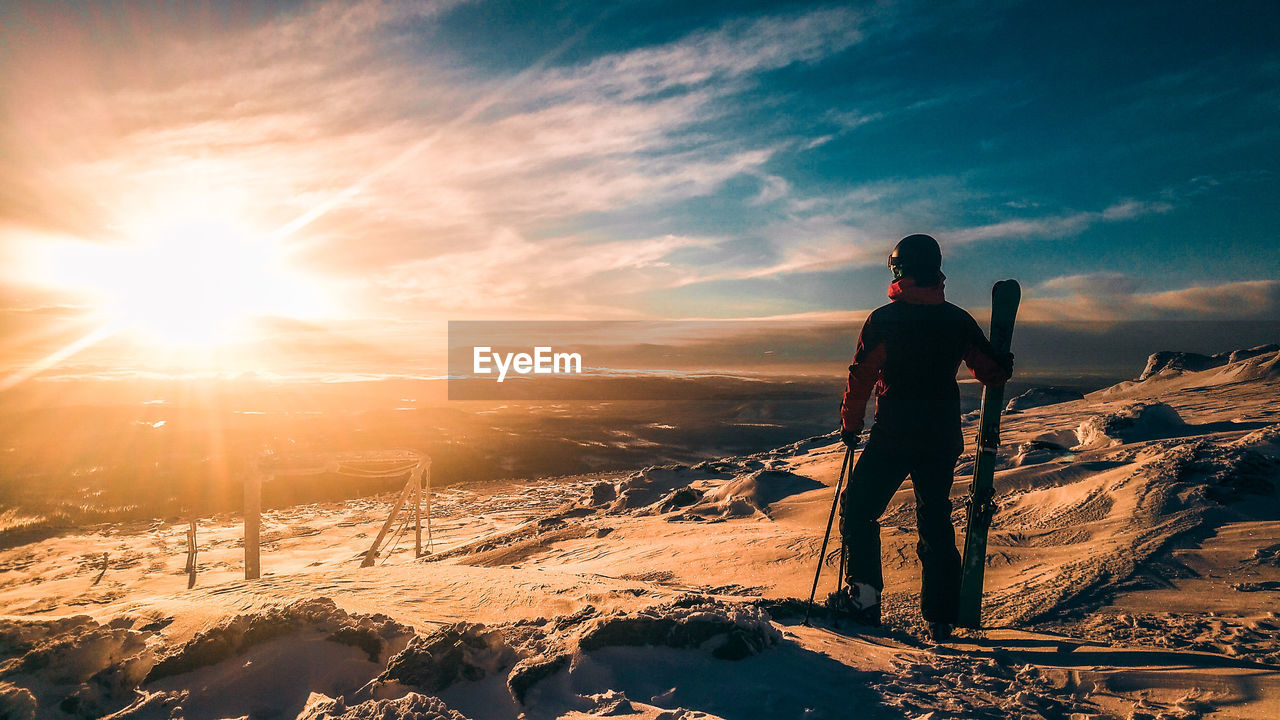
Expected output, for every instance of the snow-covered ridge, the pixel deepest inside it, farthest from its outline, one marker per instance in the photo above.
(1168, 362)
(702, 492)
(1167, 372)
(1041, 396)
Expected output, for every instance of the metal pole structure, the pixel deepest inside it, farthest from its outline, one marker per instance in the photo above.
(252, 522)
(372, 554)
(417, 511)
(191, 552)
(430, 542)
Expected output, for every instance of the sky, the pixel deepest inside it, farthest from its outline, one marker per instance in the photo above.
(336, 180)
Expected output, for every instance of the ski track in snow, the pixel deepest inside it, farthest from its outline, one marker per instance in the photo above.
(1133, 571)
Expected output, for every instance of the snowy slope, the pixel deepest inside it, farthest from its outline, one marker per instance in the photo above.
(1134, 571)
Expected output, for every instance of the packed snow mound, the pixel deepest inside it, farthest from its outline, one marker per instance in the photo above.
(708, 490)
(1132, 423)
(86, 669)
(753, 493)
(1063, 439)
(375, 667)
(528, 652)
(1168, 362)
(377, 635)
(1044, 447)
(727, 631)
(1041, 396)
(650, 487)
(452, 654)
(17, 703)
(1225, 473)
(410, 707)
(1031, 453)
(1265, 440)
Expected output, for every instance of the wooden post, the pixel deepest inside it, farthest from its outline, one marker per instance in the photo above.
(252, 522)
(427, 471)
(372, 553)
(104, 569)
(417, 511)
(191, 553)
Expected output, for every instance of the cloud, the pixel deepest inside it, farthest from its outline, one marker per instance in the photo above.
(384, 162)
(818, 243)
(729, 54)
(1114, 297)
(422, 186)
(772, 187)
(332, 122)
(1238, 300)
(1056, 226)
(419, 187)
(514, 276)
(1093, 284)
(857, 226)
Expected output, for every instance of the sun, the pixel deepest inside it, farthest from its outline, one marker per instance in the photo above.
(195, 282)
(188, 283)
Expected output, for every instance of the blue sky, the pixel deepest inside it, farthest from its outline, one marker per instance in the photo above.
(464, 160)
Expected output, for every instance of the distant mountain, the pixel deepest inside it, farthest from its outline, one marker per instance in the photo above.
(1167, 371)
(1168, 361)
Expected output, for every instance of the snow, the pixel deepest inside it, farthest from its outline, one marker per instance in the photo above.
(1169, 372)
(1038, 397)
(754, 492)
(650, 487)
(1132, 572)
(1166, 362)
(699, 493)
(1132, 422)
(411, 705)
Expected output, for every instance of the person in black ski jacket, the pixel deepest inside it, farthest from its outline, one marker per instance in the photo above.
(908, 353)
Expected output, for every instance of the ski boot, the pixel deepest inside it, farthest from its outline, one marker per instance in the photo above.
(859, 603)
(940, 632)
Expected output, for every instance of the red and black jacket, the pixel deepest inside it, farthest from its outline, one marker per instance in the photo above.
(909, 352)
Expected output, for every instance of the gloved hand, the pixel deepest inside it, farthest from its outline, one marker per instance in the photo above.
(849, 436)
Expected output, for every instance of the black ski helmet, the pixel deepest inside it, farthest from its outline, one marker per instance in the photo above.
(916, 256)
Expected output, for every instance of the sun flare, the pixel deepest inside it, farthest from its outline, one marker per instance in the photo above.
(187, 283)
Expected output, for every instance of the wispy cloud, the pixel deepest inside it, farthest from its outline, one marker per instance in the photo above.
(1108, 297)
(855, 228)
(1093, 284)
(1056, 226)
(716, 59)
(515, 277)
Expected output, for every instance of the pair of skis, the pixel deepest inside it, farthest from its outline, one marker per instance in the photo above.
(1005, 296)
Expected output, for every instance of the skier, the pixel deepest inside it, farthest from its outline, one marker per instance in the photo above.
(909, 352)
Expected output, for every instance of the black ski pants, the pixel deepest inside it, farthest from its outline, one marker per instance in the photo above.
(884, 464)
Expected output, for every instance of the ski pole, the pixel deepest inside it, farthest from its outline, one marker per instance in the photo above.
(822, 556)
